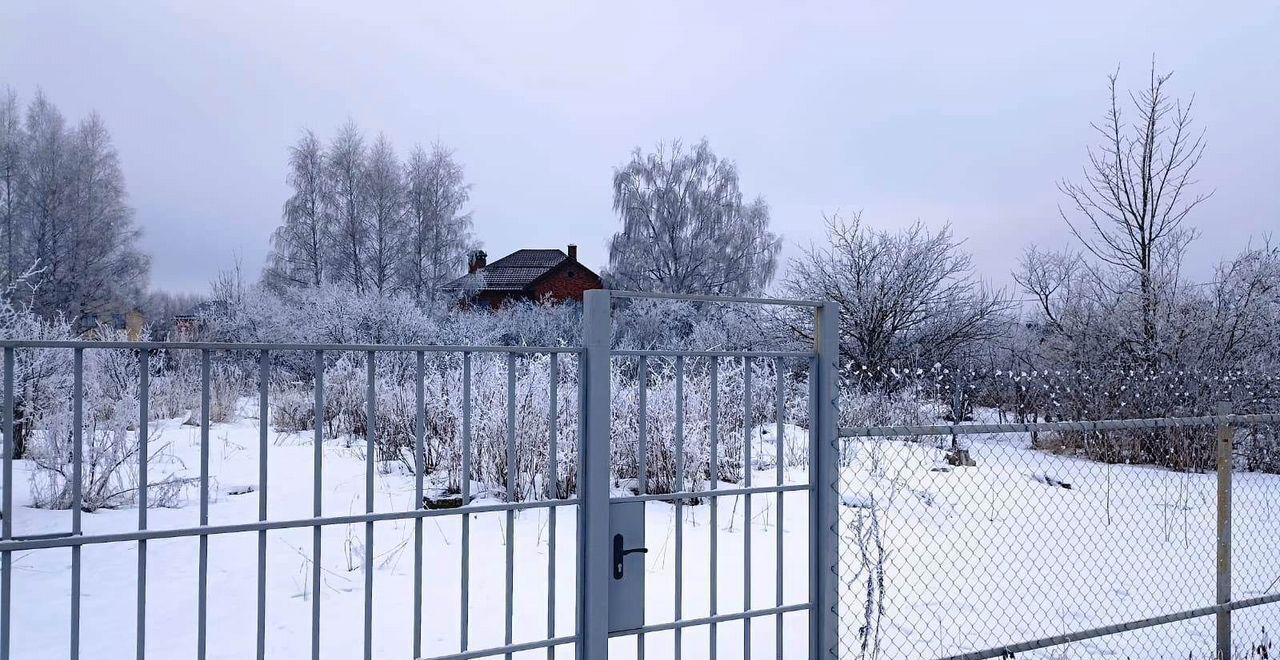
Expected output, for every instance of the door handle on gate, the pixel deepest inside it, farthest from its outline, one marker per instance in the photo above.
(619, 553)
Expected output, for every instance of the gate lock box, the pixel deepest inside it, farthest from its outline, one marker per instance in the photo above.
(627, 551)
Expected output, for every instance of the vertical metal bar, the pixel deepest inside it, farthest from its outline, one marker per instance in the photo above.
(370, 438)
(580, 555)
(264, 415)
(316, 485)
(680, 486)
(144, 420)
(553, 492)
(464, 617)
(511, 497)
(714, 594)
(823, 475)
(77, 460)
(779, 466)
(747, 438)
(202, 605)
(419, 463)
(642, 465)
(6, 521)
(1226, 433)
(594, 540)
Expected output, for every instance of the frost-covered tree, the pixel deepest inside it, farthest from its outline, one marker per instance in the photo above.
(910, 296)
(347, 210)
(298, 246)
(384, 191)
(104, 266)
(64, 214)
(1130, 208)
(686, 227)
(10, 172)
(439, 230)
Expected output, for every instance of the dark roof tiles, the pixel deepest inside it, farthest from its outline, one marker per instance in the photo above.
(515, 271)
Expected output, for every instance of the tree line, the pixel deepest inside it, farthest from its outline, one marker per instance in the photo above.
(361, 218)
(68, 243)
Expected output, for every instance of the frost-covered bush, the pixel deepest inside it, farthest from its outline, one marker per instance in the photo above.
(109, 449)
(109, 442)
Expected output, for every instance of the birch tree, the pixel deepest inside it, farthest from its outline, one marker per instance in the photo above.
(67, 227)
(385, 195)
(104, 268)
(11, 138)
(686, 227)
(298, 246)
(439, 230)
(347, 210)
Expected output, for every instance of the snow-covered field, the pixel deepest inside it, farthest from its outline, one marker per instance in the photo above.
(1030, 544)
(972, 557)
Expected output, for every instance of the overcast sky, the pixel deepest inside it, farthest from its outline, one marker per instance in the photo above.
(959, 112)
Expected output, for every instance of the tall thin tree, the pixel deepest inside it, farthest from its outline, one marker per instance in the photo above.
(298, 246)
(438, 227)
(1138, 188)
(347, 210)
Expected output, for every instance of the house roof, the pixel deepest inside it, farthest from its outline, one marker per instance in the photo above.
(514, 272)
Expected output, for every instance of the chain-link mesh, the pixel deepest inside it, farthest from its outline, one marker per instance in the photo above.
(957, 544)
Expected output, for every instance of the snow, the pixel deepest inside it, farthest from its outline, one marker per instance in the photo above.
(973, 557)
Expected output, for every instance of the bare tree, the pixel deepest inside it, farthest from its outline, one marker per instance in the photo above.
(686, 228)
(347, 211)
(298, 246)
(11, 138)
(439, 230)
(905, 298)
(1137, 192)
(105, 269)
(385, 197)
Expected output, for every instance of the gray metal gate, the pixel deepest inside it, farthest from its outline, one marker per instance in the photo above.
(606, 560)
(605, 550)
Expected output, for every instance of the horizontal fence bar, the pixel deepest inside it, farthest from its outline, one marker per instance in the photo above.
(723, 354)
(259, 525)
(505, 649)
(50, 535)
(703, 494)
(221, 346)
(716, 299)
(1114, 629)
(1049, 427)
(719, 618)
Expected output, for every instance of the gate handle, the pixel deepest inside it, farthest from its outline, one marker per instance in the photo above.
(619, 553)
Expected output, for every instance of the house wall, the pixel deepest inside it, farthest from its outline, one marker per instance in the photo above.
(568, 284)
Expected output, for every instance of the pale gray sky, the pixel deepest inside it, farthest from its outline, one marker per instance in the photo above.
(960, 112)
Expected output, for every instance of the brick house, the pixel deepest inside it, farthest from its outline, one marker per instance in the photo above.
(535, 275)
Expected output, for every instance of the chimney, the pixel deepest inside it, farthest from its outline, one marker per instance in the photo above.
(573, 252)
(476, 260)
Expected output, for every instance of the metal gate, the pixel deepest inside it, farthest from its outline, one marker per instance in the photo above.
(608, 574)
(614, 599)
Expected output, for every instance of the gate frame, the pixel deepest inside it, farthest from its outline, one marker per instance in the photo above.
(593, 546)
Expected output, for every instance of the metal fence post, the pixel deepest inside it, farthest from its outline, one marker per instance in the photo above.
(593, 539)
(823, 477)
(1226, 433)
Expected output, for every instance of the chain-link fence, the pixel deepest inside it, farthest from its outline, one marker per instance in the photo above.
(1053, 540)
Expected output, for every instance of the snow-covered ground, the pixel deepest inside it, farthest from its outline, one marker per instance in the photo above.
(972, 557)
